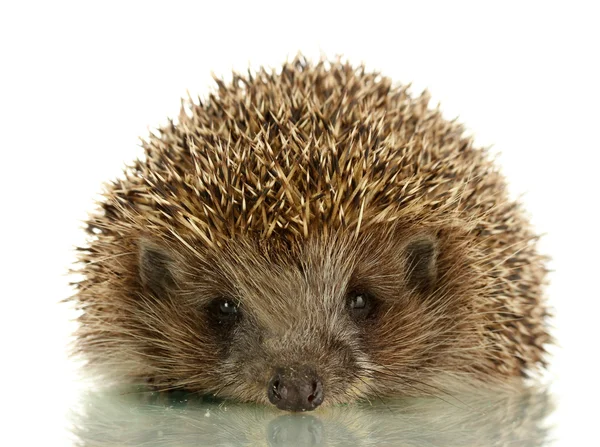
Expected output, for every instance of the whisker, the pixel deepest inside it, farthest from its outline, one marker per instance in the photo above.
(372, 389)
(405, 381)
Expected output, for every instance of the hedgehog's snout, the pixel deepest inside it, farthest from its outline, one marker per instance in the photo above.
(295, 389)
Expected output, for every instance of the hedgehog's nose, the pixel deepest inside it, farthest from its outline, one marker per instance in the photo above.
(295, 389)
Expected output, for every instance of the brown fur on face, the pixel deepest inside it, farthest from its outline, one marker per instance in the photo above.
(287, 195)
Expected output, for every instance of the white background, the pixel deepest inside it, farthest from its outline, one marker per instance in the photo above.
(80, 82)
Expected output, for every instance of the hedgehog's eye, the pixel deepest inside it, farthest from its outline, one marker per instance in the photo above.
(358, 302)
(360, 305)
(224, 312)
(227, 307)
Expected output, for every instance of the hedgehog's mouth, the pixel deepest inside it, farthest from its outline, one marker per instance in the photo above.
(295, 389)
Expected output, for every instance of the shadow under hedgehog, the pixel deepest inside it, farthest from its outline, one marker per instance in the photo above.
(306, 236)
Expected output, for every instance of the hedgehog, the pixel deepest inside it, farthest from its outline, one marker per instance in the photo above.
(311, 235)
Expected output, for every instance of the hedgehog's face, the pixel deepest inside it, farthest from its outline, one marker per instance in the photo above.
(328, 320)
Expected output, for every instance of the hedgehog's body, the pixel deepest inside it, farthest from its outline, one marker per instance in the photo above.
(311, 234)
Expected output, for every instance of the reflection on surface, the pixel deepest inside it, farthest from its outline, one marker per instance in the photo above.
(140, 418)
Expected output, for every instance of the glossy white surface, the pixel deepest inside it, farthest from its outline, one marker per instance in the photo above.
(113, 419)
(80, 82)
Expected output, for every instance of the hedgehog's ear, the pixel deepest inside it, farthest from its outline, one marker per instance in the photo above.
(155, 267)
(421, 262)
